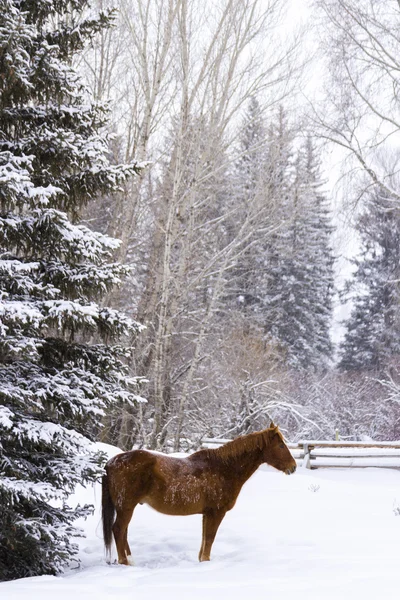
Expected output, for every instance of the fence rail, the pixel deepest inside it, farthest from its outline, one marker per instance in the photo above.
(316, 454)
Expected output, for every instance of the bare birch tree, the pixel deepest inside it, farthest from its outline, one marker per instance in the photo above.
(361, 40)
(132, 68)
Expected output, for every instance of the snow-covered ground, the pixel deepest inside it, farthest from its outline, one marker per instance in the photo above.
(316, 535)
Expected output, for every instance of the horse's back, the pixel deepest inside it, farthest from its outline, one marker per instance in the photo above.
(132, 458)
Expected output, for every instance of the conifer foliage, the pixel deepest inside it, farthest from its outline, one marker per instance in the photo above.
(54, 385)
(285, 279)
(373, 328)
(299, 299)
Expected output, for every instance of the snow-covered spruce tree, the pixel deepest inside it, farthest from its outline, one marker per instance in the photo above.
(249, 188)
(250, 165)
(54, 386)
(279, 177)
(298, 301)
(261, 177)
(318, 257)
(372, 337)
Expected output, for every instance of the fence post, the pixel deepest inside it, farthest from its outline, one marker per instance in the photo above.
(306, 460)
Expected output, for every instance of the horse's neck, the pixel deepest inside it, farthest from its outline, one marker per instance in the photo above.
(244, 463)
(249, 464)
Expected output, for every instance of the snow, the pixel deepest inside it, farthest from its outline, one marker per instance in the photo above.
(46, 432)
(5, 420)
(29, 491)
(316, 535)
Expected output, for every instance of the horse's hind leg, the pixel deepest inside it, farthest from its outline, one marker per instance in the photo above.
(127, 549)
(211, 521)
(120, 531)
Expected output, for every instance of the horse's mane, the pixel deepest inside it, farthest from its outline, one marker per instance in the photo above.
(239, 446)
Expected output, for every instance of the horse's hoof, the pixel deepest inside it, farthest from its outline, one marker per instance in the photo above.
(124, 562)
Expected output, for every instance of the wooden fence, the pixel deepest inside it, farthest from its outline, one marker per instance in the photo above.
(315, 454)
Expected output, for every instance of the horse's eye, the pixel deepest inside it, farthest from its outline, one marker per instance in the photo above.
(281, 445)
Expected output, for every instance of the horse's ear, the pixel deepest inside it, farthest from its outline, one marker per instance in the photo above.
(272, 425)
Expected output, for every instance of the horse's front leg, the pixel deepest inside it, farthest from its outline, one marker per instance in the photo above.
(211, 521)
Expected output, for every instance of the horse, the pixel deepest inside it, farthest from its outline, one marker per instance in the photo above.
(206, 482)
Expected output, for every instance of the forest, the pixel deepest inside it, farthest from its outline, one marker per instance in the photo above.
(199, 232)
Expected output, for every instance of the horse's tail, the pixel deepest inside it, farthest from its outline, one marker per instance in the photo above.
(107, 513)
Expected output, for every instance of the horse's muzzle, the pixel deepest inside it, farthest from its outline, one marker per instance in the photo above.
(291, 470)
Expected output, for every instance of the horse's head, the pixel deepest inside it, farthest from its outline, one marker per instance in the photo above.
(276, 453)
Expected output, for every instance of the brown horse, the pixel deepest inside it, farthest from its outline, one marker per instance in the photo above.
(207, 482)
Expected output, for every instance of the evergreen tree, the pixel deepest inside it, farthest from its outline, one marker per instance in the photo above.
(55, 386)
(252, 152)
(298, 302)
(279, 171)
(373, 329)
(249, 190)
(318, 256)
(285, 278)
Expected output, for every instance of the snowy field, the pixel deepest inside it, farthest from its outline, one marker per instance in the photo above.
(320, 535)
